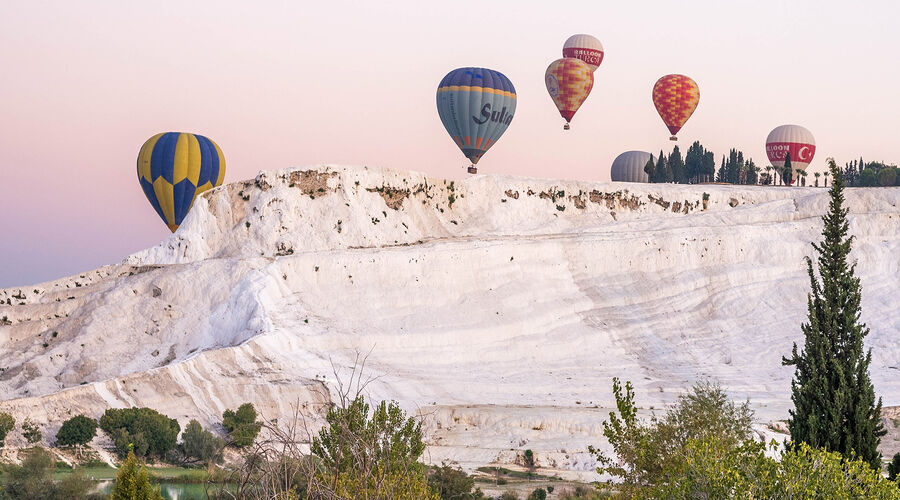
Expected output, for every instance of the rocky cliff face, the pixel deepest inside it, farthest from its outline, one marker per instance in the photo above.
(498, 307)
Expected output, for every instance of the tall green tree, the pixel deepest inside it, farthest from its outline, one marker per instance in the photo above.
(133, 482)
(787, 174)
(834, 400)
(241, 425)
(676, 166)
(722, 174)
(709, 165)
(650, 169)
(693, 162)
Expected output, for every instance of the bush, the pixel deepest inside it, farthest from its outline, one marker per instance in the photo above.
(350, 439)
(200, 445)
(7, 423)
(31, 432)
(133, 481)
(34, 479)
(149, 431)
(894, 467)
(450, 483)
(78, 430)
(702, 448)
(644, 448)
(508, 495)
(385, 485)
(887, 176)
(241, 425)
(529, 459)
(538, 494)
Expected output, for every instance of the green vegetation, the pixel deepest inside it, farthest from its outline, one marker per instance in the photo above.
(198, 445)
(241, 425)
(388, 438)
(31, 432)
(453, 483)
(133, 482)
(642, 450)
(893, 468)
(834, 400)
(76, 431)
(141, 430)
(699, 165)
(33, 479)
(703, 448)
(7, 423)
(871, 174)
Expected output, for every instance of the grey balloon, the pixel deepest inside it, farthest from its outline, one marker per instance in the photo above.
(629, 167)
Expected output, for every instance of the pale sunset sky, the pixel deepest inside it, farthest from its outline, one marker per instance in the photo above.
(279, 84)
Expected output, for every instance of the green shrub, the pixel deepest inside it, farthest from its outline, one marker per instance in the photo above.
(509, 495)
(529, 459)
(200, 445)
(7, 423)
(133, 482)
(149, 431)
(894, 467)
(241, 425)
(34, 479)
(453, 483)
(31, 432)
(644, 448)
(538, 494)
(350, 439)
(78, 430)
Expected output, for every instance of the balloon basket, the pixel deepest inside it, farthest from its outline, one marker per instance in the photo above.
(566, 126)
(673, 138)
(472, 169)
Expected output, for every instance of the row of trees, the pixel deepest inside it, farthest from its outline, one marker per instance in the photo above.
(148, 433)
(699, 165)
(876, 173)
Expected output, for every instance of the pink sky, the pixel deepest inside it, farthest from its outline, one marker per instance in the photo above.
(280, 84)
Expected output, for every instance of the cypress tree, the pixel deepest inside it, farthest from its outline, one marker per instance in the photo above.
(788, 174)
(660, 168)
(650, 169)
(834, 399)
(676, 166)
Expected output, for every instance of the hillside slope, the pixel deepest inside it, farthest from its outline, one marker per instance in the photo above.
(499, 307)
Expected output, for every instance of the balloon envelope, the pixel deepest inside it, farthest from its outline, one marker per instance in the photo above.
(569, 82)
(675, 97)
(629, 167)
(173, 168)
(793, 139)
(584, 47)
(476, 106)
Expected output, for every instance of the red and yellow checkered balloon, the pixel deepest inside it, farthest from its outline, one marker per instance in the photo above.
(675, 97)
(569, 82)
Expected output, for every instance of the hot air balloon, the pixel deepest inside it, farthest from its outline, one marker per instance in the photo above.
(675, 98)
(629, 167)
(793, 139)
(569, 82)
(584, 47)
(173, 168)
(476, 106)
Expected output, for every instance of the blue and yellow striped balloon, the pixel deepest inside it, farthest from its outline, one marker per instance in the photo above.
(476, 106)
(173, 168)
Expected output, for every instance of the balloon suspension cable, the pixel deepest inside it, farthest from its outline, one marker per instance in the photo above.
(566, 126)
(472, 169)
(673, 138)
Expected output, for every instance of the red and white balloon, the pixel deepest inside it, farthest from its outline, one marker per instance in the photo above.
(793, 139)
(584, 47)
